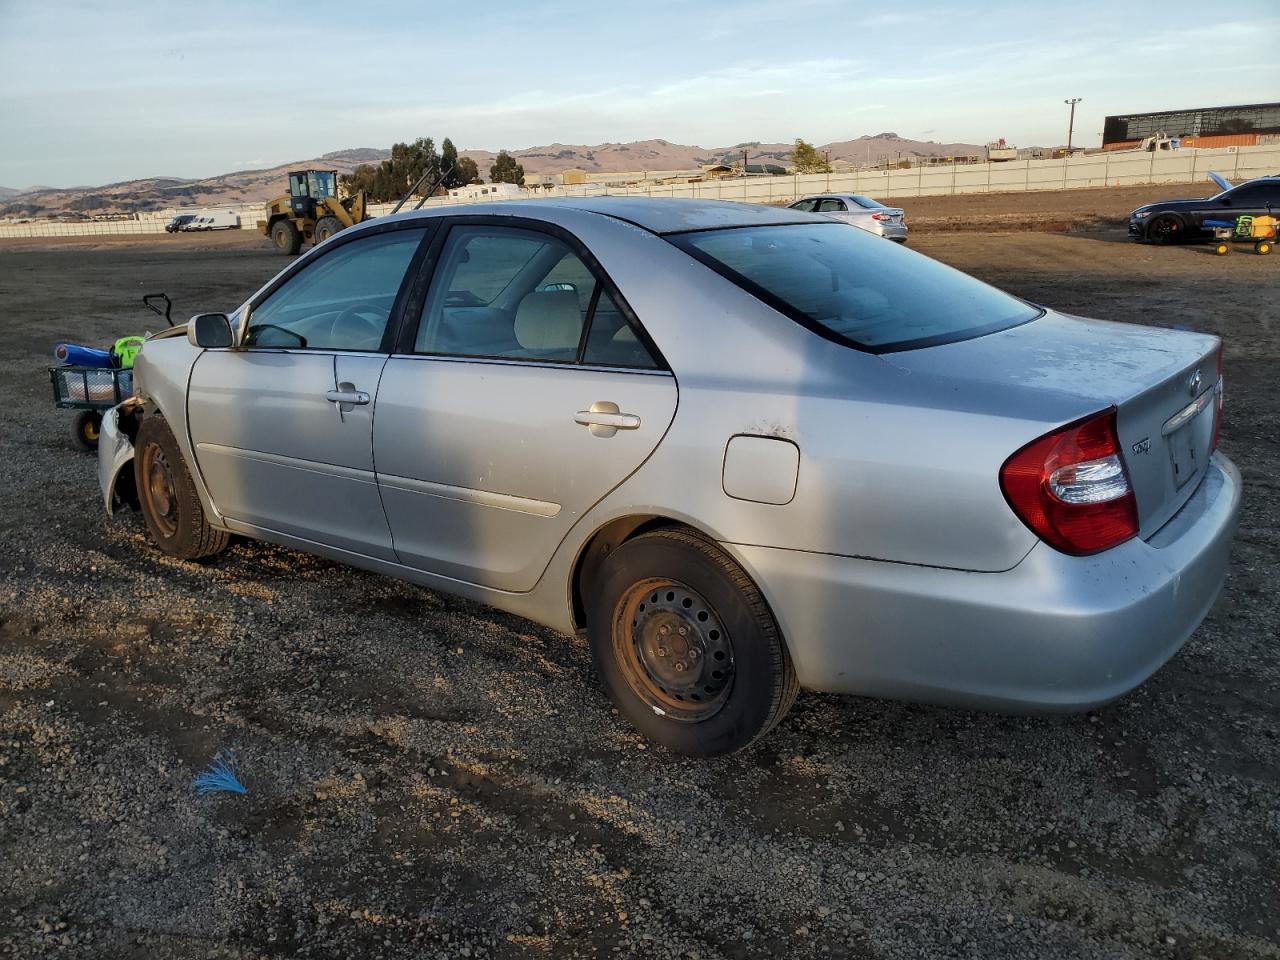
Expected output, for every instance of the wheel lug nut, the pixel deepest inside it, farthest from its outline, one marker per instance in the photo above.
(684, 631)
(664, 630)
(662, 651)
(693, 654)
(680, 665)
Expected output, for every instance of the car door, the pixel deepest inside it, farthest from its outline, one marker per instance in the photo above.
(282, 425)
(524, 392)
(837, 208)
(1250, 199)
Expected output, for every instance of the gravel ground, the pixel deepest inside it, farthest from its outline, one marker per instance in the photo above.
(430, 778)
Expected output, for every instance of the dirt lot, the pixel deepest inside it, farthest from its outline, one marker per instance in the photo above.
(428, 778)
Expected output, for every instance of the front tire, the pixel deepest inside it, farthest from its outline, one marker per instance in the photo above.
(1166, 229)
(326, 227)
(167, 494)
(285, 237)
(686, 645)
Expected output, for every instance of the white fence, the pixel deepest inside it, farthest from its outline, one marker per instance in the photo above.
(1116, 169)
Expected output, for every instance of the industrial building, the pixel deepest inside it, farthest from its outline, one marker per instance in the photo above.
(1246, 125)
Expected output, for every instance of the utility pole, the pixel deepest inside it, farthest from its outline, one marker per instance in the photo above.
(1071, 123)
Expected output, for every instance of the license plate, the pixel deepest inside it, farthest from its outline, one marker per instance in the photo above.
(1182, 452)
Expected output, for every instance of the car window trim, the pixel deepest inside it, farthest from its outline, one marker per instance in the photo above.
(337, 242)
(420, 289)
(530, 362)
(681, 242)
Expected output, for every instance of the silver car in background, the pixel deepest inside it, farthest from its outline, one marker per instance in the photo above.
(863, 212)
(743, 449)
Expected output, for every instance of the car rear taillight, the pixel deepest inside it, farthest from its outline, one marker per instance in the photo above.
(1218, 389)
(881, 216)
(1070, 487)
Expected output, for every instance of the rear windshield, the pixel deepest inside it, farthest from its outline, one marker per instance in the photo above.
(854, 287)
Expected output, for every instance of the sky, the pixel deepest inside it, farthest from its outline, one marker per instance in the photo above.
(93, 93)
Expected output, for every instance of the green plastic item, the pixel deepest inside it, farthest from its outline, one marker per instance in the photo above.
(125, 349)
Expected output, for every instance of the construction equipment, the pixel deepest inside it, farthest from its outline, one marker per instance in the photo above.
(311, 210)
(998, 151)
(1159, 143)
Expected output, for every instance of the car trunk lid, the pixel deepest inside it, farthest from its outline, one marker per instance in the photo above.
(1162, 383)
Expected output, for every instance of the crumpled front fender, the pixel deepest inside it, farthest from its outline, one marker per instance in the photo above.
(115, 454)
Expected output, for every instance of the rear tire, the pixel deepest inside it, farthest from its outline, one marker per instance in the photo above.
(285, 237)
(1263, 247)
(1222, 249)
(686, 645)
(326, 227)
(167, 494)
(87, 428)
(1166, 229)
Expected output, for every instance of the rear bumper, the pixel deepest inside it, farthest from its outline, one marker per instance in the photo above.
(890, 231)
(1055, 633)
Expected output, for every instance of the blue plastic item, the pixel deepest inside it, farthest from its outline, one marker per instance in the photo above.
(219, 777)
(82, 356)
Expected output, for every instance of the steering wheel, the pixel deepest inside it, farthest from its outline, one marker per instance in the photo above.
(346, 325)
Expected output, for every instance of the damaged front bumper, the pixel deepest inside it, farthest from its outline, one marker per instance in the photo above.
(115, 455)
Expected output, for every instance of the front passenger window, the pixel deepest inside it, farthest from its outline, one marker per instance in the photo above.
(340, 301)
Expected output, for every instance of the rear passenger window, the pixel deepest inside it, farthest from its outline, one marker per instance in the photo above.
(516, 294)
(491, 297)
(831, 206)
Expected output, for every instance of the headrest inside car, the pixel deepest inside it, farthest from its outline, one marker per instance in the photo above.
(549, 321)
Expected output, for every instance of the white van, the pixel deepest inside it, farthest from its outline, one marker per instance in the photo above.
(218, 220)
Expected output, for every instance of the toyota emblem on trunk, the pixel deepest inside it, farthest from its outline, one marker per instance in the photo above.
(1193, 385)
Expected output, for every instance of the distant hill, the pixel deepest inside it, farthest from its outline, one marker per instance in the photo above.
(258, 186)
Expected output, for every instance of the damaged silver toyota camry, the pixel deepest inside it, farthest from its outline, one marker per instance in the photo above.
(744, 449)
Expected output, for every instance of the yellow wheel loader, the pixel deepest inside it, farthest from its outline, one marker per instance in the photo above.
(311, 211)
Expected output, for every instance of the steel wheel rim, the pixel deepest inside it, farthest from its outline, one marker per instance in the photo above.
(674, 650)
(160, 490)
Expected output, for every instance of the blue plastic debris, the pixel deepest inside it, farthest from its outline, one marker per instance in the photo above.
(220, 777)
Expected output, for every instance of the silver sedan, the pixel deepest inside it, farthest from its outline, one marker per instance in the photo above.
(743, 449)
(863, 212)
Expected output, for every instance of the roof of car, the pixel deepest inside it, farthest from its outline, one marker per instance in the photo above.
(660, 215)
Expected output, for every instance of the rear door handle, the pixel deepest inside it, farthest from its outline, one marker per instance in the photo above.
(604, 419)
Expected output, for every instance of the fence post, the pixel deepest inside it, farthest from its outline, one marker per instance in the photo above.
(953, 176)
(1106, 169)
(920, 183)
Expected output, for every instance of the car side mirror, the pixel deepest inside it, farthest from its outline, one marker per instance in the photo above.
(210, 330)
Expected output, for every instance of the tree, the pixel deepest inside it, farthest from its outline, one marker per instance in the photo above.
(449, 164)
(392, 178)
(467, 171)
(806, 159)
(506, 170)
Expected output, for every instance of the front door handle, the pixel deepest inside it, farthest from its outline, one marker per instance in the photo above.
(346, 398)
(357, 397)
(604, 419)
